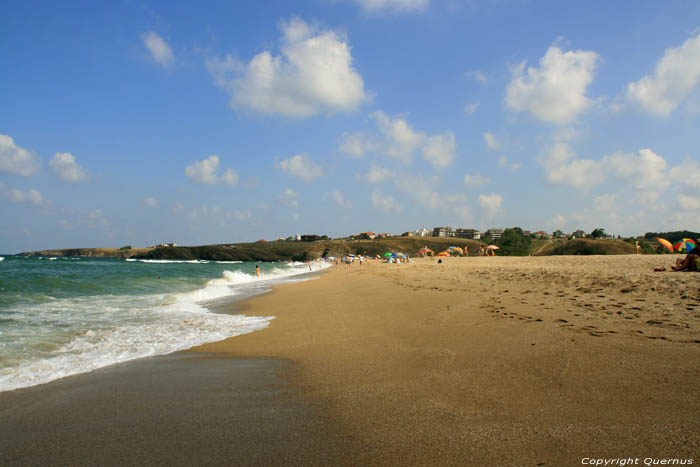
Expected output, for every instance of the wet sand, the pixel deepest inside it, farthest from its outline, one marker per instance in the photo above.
(176, 410)
(476, 361)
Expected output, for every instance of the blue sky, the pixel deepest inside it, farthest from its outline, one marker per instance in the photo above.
(133, 122)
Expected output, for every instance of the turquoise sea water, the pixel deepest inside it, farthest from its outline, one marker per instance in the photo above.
(63, 316)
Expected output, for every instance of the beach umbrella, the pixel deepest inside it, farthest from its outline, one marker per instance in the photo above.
(388, 254)
(684, 245)
(665, 243)
(492, 247)
(456, 249)
(443, 253)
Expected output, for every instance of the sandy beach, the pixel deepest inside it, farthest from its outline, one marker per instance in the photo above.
(475, 361)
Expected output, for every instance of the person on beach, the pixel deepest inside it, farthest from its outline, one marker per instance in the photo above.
(690, 262)
(257, 271)
(466, 250)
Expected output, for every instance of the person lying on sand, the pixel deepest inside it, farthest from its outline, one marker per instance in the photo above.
(690, 262)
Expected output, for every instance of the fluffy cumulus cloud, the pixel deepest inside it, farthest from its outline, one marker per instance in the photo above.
(555, 91)
(64, 167)
(562, 166)
(392, 5)
(313, 74)
(16, 160)
(643, 171)
(385, 203)
(357, 144)
(675, 76)
(401, 141)
(30, 196)
(397, 139)
(476, 179)
(206, 171)
(492, 202)
(338, 198)
(440, 150)
(300, 166)
(160, 51)
(289, 198)
(375, 174)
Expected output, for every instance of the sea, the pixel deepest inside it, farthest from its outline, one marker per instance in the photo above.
(62, 316)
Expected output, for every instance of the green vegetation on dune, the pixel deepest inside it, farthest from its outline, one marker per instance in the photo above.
(586, 246)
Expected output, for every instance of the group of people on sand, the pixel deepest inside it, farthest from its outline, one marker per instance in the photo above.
(690, 262)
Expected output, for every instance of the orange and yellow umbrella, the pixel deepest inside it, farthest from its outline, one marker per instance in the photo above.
(665, 243)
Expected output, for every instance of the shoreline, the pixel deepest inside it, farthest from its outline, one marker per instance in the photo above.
(475, 361)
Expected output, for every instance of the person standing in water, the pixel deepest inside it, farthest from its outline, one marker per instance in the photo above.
(257, 271)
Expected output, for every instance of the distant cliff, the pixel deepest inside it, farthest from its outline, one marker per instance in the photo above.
(91, 252)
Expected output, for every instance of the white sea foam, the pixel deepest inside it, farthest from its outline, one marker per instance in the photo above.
(2, 259)
(81, 334)
(166, 261)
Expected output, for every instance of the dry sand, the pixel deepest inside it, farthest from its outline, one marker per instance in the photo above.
(494, 361)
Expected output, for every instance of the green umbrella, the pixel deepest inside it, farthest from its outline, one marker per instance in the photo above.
(388, 254)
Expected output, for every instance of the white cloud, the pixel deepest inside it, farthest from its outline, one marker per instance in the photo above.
(688, 202)
(339, 199)
(686, 175)
(375, 174)
(476, 179)
(160, 51)
(556, 91)
(16, 160)
(394, 5)
(398, 140)
(563, 167)
(648, 170)
(477, 75)
(30, 196)
(675, 76)
(491, 140)
(491, 202)
(300, 166)
(357, 144)
(503, 162)
(440, 150)
(385, 203)
(401, 140)
(150, 202)
(289, 198)
(645, 171)
(471, 107)
(205, 171)
(312, 75)
(63, 166)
